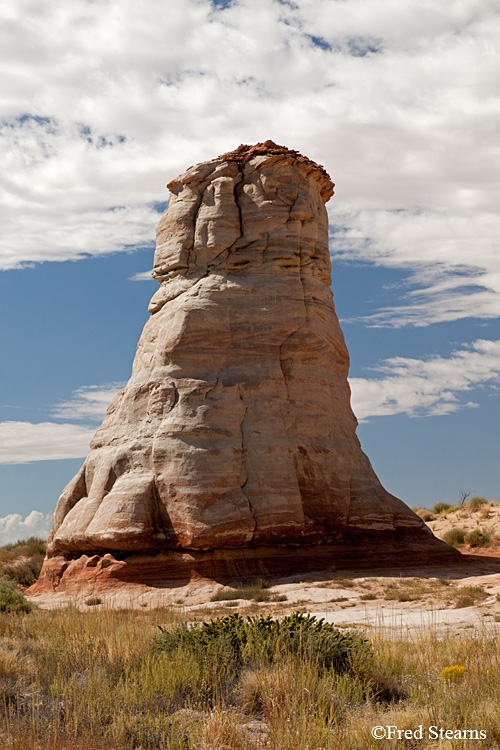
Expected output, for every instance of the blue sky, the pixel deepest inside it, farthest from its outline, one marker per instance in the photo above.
(103, 103)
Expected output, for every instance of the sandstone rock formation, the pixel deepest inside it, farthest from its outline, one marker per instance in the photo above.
(234, 437)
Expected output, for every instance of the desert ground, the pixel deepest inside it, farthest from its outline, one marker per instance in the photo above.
(450, 597)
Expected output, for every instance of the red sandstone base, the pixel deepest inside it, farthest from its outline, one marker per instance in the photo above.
(171, 569)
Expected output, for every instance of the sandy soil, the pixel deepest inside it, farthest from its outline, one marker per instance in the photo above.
(486, 518)
(347, 598)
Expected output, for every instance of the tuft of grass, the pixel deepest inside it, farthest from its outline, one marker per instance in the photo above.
(368, 597)
(467, 596)
(279, 598)
(476, 503)
(403, 595)
(413, 589)
(93, 601)
(454, 537)
(344, 583)
(258, 592)
(442, 508)
(427, 517)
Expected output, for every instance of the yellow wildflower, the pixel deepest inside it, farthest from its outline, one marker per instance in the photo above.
(453, 674)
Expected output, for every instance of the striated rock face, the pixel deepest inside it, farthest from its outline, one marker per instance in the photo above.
(235, 429)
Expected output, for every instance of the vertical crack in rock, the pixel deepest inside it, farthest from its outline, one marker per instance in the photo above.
(243, 467)
(242, 174)
(235, 431)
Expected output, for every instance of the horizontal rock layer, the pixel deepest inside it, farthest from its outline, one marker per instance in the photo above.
(98, 574)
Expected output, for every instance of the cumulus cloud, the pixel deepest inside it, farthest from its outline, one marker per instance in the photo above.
(427, 387)
(88, 403)
(14, 527)
(24, 442)
(102, 103)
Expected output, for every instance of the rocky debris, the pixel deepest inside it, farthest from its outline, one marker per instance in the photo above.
(234, 433)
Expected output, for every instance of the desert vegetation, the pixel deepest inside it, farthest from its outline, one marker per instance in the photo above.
(209, 679)
(473, 524)
(21, 561)
(136, 680)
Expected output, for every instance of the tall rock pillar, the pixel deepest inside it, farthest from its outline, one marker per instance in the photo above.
(234, 437)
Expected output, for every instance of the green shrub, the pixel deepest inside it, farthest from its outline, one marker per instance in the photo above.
(476, 502)
(12, 600)
(93, 601)
(454, 537)
(442, 507)
(478, 538)
(263, 639)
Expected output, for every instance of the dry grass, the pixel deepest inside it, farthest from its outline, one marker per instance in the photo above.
(415, 589)
(91, 680)
(21, 562)
(74, 680)
(467, 596)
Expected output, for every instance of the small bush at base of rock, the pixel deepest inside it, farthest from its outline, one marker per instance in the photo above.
(12, 600)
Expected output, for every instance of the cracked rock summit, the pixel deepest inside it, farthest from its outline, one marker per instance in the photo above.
(233, 446)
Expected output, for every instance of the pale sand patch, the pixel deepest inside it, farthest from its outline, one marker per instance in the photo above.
(336, 596)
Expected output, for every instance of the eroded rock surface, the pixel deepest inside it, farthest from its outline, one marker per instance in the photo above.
(235, 429)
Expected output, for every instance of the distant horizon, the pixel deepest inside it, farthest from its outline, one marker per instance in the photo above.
(395, 99)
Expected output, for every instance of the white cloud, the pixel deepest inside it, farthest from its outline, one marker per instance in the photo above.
(452, 262)
(24, 442)
(142, 276)
(88, 403)
(14, 527)
(427, 387)
(398, 98)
